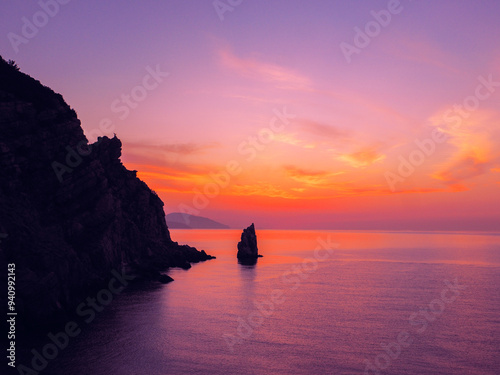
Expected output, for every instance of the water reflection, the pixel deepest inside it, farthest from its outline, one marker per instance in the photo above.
(248, 277)
(248, 262)
(334, 320)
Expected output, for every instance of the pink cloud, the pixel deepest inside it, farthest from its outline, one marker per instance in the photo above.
(282, 77)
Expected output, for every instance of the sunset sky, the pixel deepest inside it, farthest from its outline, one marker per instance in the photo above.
(392, 108)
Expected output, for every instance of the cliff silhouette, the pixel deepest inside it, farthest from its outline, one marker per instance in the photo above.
(70, 212)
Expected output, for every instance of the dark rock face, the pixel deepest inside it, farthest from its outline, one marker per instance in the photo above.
(70, 212)
(247, 247)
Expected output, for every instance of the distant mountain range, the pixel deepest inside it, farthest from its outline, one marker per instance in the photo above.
(178, 220)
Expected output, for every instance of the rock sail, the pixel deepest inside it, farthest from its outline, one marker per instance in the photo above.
(247, 247)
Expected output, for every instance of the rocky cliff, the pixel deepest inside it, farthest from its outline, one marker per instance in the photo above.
(70, 212)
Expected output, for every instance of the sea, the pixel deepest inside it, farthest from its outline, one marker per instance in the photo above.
(317, 302)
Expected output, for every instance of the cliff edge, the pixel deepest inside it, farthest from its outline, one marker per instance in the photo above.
(70, 212)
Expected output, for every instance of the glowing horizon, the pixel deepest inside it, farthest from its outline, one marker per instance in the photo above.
(263, 117)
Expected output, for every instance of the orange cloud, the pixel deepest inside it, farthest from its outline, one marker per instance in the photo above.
(474, 140)
(309, 177)
(462, 170)
(289, 138)
(261, 189)
(362, 158)
(178, 178)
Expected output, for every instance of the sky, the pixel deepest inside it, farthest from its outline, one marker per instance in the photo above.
(286, 113)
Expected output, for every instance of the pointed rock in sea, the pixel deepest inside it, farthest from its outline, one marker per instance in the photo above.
(247, 247)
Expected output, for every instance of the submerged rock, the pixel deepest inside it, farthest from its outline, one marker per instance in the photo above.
(247, 247)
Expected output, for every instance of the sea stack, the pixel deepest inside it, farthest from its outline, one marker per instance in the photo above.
(247, 247)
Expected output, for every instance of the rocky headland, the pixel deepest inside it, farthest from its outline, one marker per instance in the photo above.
(70, 212)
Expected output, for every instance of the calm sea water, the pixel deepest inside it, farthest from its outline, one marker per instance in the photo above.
(294, 313)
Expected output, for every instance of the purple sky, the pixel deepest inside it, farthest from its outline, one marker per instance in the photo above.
(356, 115)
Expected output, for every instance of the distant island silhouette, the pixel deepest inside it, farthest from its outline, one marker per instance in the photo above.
(178, 220)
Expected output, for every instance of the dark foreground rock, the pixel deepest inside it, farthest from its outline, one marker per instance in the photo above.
(164, 279)
(70, 212)
(247, 247)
